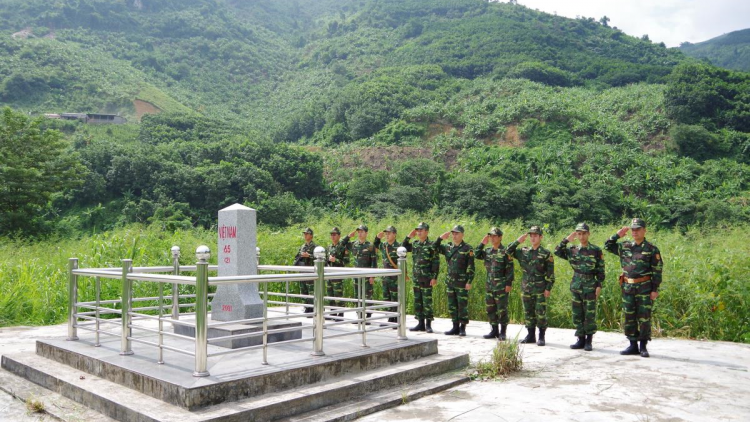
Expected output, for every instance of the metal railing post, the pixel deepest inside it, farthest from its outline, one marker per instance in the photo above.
(201, 312)
(319, 301)
(72, 299)
(98, 288)
(363, 314)
(127, 305)
(161, 323)
(265, 323)
(175, 287)
(402, 293)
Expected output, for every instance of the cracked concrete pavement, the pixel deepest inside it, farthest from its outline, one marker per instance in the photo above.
(683, 380)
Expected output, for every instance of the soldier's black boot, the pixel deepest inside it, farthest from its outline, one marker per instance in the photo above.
(530, 337)
(453, 331)
(588, 347)
(493, 334)
(428, 326)
(579, 344)
(462, 330)
(503, 329)
(419, 326)
(541, 342)
(632, 349)
(644, 351)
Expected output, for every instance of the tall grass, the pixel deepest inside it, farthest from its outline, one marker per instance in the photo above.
(704, 294)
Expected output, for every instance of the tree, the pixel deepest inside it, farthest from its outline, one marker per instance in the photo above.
(604, 21)
(34, 165)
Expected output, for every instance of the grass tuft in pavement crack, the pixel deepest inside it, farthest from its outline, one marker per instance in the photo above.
(505, 359)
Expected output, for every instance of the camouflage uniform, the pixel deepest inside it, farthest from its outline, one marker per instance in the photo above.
(365, 256)
(389, 253)
(340, 251)
(538, 275)
(460, 262)
(588, 274)
(306, 287)
(425, 267)
(499, 267)
(642, 267)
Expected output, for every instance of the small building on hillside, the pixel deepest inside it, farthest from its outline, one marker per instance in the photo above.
(91, 118)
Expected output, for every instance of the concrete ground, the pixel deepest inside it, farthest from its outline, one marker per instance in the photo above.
(683, 380)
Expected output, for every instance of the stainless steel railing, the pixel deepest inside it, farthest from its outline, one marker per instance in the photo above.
(91, 315)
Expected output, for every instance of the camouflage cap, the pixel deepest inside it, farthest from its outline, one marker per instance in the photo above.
(457, 229)
(582, 227)
(335, 230)
(390, 229)
(307, 231)
(637, 223)
(535, 230)
(362, 227)
(495, 231)
(423, 225)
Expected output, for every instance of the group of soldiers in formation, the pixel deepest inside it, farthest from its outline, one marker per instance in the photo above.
(640, 279)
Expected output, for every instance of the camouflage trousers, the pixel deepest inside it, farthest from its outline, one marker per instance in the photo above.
(535, 309)
(423, 299)
(458, 300)
(496, 301)
(584, 311)
(335, 288)
(636, 309)
(307, 288)
(390, 291)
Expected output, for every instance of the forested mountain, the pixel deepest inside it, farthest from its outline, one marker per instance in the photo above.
(367, 108)
(731, 50)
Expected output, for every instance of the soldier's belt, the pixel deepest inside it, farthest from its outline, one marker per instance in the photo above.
(638, 280)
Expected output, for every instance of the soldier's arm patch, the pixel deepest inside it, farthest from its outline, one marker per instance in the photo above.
(551, 259)
(658, 256)
(471, 253)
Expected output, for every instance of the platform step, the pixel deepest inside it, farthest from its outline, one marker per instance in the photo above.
(125, 404)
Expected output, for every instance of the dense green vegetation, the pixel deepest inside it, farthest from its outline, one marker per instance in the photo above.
(731, 50)
(330, 112)
(704, 294)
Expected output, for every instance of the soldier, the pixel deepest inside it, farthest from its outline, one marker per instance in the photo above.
(459, 257)
(425, 267)
(365, 256)
(305, 258)
(388, 250)
(586, 286)
(500, 277)
(538, 266)
(338, 256)
(640, 280)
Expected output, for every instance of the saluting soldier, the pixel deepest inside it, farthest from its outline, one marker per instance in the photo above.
(459, 258)
(587, 261)
(640, 280)
(338, 256)
(388, 250)
(365, 256)
(305, 258)
(538, 267)
(500, 277)
(425, 267)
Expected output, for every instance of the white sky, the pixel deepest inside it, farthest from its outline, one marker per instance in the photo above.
(670, 21)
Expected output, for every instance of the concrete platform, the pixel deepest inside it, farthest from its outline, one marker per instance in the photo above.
(233, 376)
(236, 329)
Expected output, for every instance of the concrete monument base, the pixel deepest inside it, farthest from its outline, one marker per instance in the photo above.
(289, 333)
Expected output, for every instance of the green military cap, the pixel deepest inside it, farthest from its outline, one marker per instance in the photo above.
(390, 229)
(423, 225)
(307, 231)
(535, 230)
(458, 229)
(335, 230)
(362, 227)
(637, 223)
(495, 231)
(582, 227)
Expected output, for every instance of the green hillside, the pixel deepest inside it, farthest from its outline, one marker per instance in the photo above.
(364, 108)
(731, 51)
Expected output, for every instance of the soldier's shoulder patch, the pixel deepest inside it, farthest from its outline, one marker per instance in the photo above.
(658, 256)
(551, 258)
(471, 252)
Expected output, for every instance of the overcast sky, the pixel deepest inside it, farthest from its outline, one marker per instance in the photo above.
(670, 21)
